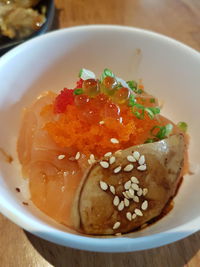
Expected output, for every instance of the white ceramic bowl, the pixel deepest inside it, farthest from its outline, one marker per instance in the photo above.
(169, 69)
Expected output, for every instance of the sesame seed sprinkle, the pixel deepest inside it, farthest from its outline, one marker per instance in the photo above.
(131, 192)
(134, 216)
(108, 154)
(116, 225)
(78, 154)
(139, 192)
(127, 185)
(142, 167)
(144, 205)
(103, 185)
(112, 189)
(141, 160)
(131, 158)
(125, 195)
(136, 199)
(129, 216)
(117, 169)
(128, 168)
(104, 164)
(116, 201)
(138, 212)
(112, 160)
(114, 141)
(101, 122)
(135, 187)
(134, 180)
(121, 206)
(126, 202)
(60, 157)
(145, 191)
(136, 155)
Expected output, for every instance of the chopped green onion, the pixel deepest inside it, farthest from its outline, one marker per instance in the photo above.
(152, 100)
(131, 101)
(152, 111)
(78, 91)
(163, 132)
(149, 140)
(132, 85)
(85, 74)
(139, 115)
(107, 73)
(182, 126)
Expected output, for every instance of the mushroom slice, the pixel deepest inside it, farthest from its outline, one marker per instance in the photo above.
(140, 193)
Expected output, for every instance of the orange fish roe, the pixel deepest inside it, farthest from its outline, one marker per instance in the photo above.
(79, 126)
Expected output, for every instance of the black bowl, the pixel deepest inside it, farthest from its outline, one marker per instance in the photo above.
(6, 43)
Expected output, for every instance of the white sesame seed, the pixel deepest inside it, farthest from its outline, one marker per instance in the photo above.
(129, 216)
(108, 154)
(135, 187)
(120, 119)
(90, 162)
(142, 167)
(103, 185)
(117, 169)
(116, 225)
(139, 192)
(134, 180)
(141, 160)
(131, 192)
(78, 154)
(145, 191)
(126, 202)
(114, 141)
(61, 157)
(138, 212)
(136, 155)
(128, 168)
(125, 195)
(127, 185)
(136, 199)
(92, 157)
(112, 160)
(134, 216)
(101, 122)
(130, 158)
(116, 201)
(112, 189)
(121, 206)
(104, 164)
(144, 205)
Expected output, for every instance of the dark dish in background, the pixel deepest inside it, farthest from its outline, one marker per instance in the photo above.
(21, 20)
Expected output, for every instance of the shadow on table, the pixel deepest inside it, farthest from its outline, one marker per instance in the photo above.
(174, 255)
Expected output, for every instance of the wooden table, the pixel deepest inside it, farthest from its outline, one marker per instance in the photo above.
(179, 19)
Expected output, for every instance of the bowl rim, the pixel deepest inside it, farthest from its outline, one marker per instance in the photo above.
(125, 244)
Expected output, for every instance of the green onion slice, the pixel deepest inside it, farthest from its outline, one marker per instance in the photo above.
(85, 74)
(78, 91)
(183, 126)
(163, 132)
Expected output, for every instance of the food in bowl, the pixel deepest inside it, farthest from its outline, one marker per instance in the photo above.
(19, 18)
(100, 158)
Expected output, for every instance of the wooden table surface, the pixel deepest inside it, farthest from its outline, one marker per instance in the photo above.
(179, 19)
